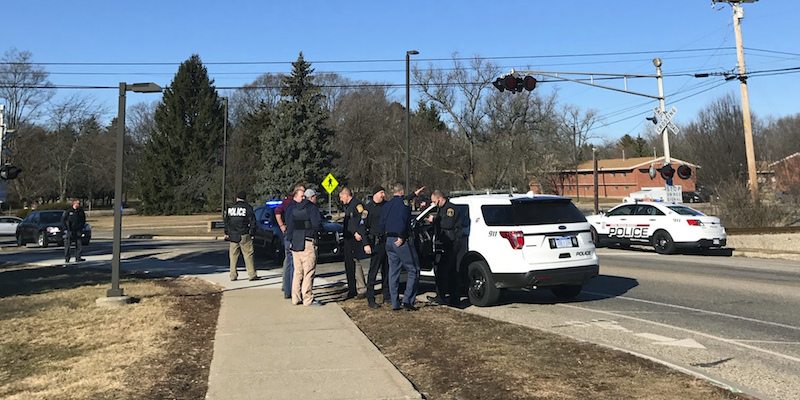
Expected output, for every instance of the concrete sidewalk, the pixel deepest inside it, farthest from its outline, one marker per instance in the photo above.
(267, 348)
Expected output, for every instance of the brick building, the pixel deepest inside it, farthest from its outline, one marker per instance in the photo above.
(619, 177)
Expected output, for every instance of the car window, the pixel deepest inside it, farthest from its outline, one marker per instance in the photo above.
(683, 210)
(622, 210)
(51, 217)
(647, 210)
(536, 212)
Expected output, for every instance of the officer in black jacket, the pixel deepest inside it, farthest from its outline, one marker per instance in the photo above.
(354, 241)
(240, 226)
(375, 246)
(73, 222)
(448, 232)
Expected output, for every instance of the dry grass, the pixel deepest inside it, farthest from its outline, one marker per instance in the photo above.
(55, 343)
(449, 354)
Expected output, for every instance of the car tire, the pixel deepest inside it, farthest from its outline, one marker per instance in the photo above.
(663, 243)
(277, 251)
(42, 240)
(595, 237)
(481, 291)
(20, 241)
(566, 292)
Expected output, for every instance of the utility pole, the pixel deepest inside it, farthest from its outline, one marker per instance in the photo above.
(738, 15)
(665, 134)
(594, 173)
(224, 155)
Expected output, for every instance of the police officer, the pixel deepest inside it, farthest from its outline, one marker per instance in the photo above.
(73, 222)
(354, 240)
(375, 246)
(396, 222)
(240, 226)
(304, 222)
(447, 231)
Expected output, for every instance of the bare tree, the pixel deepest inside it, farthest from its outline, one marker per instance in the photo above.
(577, 125)
(23, 86)
(461, 94)
(246, 101)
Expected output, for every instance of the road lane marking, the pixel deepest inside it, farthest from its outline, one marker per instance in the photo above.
(721, 339)
(697, 310)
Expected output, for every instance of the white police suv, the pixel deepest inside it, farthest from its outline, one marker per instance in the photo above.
(665, 226)
(516, 242)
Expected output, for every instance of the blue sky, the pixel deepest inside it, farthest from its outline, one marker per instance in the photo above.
(690, 36)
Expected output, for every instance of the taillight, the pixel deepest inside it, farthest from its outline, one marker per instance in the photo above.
(515, 238)
(694, 222)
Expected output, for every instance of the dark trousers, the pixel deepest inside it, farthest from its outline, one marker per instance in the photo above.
(378, 262)
(350, 251)
(446, 275)
(288, 268)
(68, 239)
(402, 257)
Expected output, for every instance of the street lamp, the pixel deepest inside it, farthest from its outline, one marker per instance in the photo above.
(115, 294)
(408, 118)
(224, 153)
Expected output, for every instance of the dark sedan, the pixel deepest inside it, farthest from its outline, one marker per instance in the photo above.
(44, 228)
(269, 238)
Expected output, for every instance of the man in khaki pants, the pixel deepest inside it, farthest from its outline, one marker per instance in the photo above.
(240, 225)
(303, 222)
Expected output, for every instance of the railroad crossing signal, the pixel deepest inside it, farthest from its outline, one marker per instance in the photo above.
(515, 84)
(666, 120)
(330, 183)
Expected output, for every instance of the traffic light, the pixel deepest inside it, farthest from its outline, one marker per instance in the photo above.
(667, 172)
(684, 172)
(515, 84)
(8, 172)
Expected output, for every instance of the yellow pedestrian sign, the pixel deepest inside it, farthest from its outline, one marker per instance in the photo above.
(330, 183)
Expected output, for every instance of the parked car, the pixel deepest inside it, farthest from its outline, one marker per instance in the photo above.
(692, 197)
(269, 238)
(44, 228)
(8, 225)
(515, 242)
(665, 226)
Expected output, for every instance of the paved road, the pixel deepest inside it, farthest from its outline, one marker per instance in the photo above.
(732, 319)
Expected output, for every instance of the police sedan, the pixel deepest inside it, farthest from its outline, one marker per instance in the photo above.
(665, 226)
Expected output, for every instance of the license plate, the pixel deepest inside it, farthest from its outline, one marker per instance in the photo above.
(563, 242)
(716, 241)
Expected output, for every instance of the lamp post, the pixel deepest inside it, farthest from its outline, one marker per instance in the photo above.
(115, 291)
(224, 154)
(408, 117)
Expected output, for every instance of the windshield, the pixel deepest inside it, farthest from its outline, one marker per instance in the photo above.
(527, 212)
(683, 210)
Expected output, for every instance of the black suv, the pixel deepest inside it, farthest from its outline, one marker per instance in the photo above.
(44, 227)
(269, 238)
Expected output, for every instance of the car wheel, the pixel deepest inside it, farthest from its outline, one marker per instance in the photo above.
(277, 251)
(42, 240)
(566, 292)
(482, 292)
(20, 241)
(663, 243)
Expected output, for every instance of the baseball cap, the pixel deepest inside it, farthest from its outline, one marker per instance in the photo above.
(310, 193)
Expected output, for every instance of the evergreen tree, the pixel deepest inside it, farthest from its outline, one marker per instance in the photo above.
(178, 174)
(296, 145)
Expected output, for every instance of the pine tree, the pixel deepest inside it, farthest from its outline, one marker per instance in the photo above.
(178, 174)
(297, 143)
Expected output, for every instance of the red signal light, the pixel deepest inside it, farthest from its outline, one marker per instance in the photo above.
(511, 83)
(684, 172)
(667, 172)
(529, 83)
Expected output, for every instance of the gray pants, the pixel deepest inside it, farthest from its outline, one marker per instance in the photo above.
(68, 239)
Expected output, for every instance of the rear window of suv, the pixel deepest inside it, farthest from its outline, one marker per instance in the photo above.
(532, 212)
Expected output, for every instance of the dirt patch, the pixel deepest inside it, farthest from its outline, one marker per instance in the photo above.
(448, 354)
(55, 343)
(147, 221)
